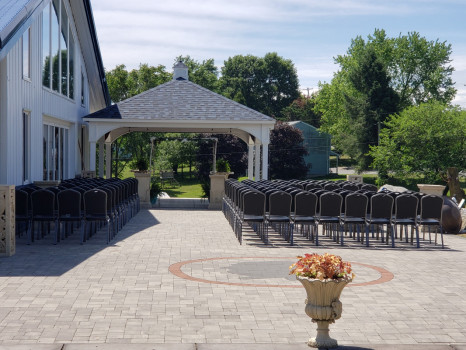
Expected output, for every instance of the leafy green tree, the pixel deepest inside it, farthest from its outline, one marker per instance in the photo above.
(417, 71)
(229, 148)
(369, 104)
(117, 82)
(425, 140)
(123, 84)
(286, 153)
(267, 84)
(303, 109)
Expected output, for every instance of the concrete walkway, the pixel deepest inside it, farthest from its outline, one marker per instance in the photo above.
(178, 279)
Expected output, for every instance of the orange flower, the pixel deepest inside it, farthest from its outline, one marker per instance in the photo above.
(322, 267)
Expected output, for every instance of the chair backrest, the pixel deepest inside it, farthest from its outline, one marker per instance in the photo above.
(313, 185)
(381, 206)
(351, 187)
(254, 203)
(305, 204)
(43, 203)
(431, 207)
(406, 206)
(69, 203)
(21, 203)
(280, 203)
(95, 202)
(369, 187)
(356, 205)
(331, 186)
(330, 204)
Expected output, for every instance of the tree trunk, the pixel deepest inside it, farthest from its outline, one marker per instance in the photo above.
(454, 184)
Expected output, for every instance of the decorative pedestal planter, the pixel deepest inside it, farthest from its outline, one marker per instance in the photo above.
(436, 190)
(324, 307)
(217, 189)
(143, 178)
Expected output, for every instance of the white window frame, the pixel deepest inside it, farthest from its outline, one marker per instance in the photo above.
(26, 75)
(26, 154)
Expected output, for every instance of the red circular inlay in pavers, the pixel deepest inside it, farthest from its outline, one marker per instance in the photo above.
(385, 275)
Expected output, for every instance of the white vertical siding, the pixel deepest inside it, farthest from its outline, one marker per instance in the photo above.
(18, 94)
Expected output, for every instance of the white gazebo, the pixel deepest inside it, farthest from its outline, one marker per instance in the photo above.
(180, 106)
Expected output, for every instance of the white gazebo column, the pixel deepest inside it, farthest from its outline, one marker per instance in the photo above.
(250, 161)
(92, 155)
(108, 160)
(265, 161)
(257, 159)
(101, 159)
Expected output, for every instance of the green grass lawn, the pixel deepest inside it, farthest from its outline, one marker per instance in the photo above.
(191, 188)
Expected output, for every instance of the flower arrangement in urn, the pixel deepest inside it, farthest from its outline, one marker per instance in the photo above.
(323, 277)
(322, 267)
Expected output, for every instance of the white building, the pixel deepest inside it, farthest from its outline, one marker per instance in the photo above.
(42, 135)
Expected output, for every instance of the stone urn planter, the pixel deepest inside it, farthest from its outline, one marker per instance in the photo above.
(323, 306)
(323, 277)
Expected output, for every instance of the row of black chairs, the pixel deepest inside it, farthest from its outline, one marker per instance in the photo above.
(85, 203)
(284, 207)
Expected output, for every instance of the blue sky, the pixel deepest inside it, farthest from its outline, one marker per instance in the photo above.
(309, 32)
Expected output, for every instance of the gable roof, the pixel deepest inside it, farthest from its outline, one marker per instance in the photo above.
(13, 14)
(180, 100)
(17, 15)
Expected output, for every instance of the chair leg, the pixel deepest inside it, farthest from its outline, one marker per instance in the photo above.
(367, 236)
(417, 235)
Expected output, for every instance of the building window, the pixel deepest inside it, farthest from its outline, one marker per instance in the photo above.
(82, 89)
(27, 54)
(26, 147)
(57, 49)
(55, 152)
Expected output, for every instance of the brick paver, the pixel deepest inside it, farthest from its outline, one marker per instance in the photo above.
(124, 292)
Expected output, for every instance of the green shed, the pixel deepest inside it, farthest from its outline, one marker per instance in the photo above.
(317, 145)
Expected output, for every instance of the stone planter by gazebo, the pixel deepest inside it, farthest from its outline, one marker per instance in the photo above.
(217, 189)
(143, 178)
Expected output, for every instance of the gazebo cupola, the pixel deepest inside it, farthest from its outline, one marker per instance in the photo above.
(180, 71)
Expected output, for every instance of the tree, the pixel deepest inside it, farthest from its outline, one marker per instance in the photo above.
(267, 84)
(417, 71)
(229, 147)
(303, 109)
(286, 153)
(369, 104)
(424, 140)
(123, 84)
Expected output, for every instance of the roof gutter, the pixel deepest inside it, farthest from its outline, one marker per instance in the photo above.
(98, 56)
(13, 29)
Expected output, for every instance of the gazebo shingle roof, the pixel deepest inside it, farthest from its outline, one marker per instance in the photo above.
(180, 100)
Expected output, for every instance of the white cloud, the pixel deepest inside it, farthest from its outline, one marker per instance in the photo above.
(305, 31)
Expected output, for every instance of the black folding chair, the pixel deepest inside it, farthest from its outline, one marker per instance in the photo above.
(22, 213)
(355, 213)
(279, 214)
(69, 212)
(329, 214)
(381, 214)
(406, 215)
(305, 215)
(253, 212)
(95, 204)
(431, 215)
(43, 211)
